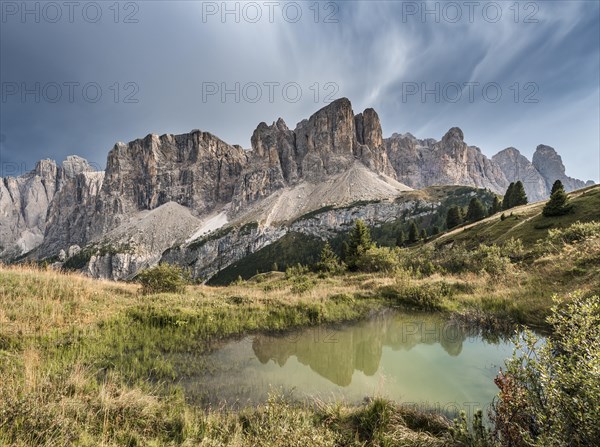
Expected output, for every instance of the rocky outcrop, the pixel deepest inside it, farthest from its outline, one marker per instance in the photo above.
(517, 167)
(272, 164)
(71, 213)
(549, 164)
(422, 163)
(321, 147)
(370, 148)
(196, 170)
(25, 201)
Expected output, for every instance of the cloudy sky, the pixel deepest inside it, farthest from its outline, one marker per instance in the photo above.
(77, 78)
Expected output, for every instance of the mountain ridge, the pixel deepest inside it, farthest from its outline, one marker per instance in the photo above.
(332, 158)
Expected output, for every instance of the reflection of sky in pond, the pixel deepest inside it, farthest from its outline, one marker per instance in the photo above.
(420, 359)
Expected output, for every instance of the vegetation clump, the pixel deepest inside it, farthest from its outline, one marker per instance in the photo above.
(164, 278)
(514, 196)
(550, 390)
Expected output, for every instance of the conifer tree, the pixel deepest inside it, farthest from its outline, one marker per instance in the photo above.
(358, 242)
(453, 217)
(328, 262)
(413, 233)
(507, 196)
(476, 210)
(556, 186)
(496, 206)
(423, 234)
(558, 204)
(518, 196)
(400, 240)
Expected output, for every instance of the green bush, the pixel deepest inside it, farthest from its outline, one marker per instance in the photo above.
(296, 270)
(163, 278)
(378, 259)
(550, 390)
(576, 232)
(418, 296)
(490, 259)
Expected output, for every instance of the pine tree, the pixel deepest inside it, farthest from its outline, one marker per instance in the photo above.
(435, 230)
(496, 206)
(558, 204)
(518, 196)
(453, 217)
(476, 210)
(328, 262)
(358, 242)
(413, 233)
(507, 196)
(423, 234)
(556, 186)
(400, 240)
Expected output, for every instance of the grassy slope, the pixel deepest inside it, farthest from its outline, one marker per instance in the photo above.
(527, 222)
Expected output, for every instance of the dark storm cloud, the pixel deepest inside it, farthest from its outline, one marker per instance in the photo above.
(373, 55)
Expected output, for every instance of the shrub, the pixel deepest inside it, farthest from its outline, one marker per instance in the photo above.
(302, 284)
(378, 259)
(293, 271)
(513, 249)
(418, 296)
(576, 232)
(489, 258)
(550, 391)
(163, 278)
(78, 260)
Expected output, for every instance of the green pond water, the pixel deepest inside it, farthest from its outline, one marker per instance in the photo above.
(421, 360)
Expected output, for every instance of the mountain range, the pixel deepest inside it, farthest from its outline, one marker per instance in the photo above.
(193, 199)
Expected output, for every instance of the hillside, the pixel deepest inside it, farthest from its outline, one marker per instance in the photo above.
(526, 222)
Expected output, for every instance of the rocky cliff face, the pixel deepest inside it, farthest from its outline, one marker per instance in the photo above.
(549, 164)
(421, 163)
(516, 167)
(71, 212)
(325, 145)
(196, 170)
(25, 201)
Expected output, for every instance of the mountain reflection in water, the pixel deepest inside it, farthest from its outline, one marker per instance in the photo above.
(418, 358)
(336, 353)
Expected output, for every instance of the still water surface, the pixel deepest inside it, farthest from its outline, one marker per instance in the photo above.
(419, 359)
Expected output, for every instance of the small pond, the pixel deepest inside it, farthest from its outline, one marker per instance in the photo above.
(417, 359)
